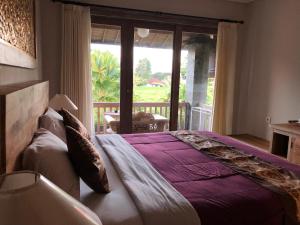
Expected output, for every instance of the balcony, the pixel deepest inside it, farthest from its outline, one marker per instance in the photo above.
(187, 118)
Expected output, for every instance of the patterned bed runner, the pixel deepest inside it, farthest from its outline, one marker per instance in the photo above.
(278, 180)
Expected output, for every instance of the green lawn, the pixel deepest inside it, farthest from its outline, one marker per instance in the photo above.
(162, 94)
(151, 94)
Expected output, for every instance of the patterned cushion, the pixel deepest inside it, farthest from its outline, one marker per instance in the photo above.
(86, 161)
(72, 121)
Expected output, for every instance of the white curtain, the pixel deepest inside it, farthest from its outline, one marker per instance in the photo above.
(75, 74)
(225, 77)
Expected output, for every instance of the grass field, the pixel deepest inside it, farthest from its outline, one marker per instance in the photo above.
(162, 94)
(151, 94)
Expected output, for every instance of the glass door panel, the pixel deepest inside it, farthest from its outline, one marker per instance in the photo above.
(105, 69)
(153, 53)
(197, 77)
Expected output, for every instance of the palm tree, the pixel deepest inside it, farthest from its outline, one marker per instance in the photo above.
(105, 76)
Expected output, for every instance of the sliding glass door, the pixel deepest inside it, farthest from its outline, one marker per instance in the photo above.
(197, 77)
(151, 77)
(105, 68)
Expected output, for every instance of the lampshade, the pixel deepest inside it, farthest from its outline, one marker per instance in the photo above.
(143, 32)
(28, 198)
(60, 101)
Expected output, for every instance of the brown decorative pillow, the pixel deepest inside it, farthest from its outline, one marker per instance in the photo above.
(72, 121)
(87, 161)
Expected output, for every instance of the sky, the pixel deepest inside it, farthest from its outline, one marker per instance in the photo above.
(161, 59)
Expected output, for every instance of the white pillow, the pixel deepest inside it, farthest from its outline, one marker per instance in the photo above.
(53, 122)
(48, 155)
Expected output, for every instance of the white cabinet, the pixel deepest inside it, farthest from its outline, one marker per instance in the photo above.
(286, 141)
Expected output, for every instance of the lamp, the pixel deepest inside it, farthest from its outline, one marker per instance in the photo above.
(143, 32)
(28, 198)
(60, 101)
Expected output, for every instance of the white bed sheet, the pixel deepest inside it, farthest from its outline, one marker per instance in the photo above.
(116, 207)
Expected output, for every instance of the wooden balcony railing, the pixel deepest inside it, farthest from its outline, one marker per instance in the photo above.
(161, 108)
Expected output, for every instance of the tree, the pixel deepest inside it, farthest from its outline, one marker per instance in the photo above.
(105, 76)
(183, 67)
(160, 75)
(143, 69)
(182, 90)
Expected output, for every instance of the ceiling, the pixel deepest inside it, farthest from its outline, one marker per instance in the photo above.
(241, 1)
(107, 34)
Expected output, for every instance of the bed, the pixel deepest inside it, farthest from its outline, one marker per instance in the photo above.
(158, 178)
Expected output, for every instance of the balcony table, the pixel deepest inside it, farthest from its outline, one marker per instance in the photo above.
(110, 117)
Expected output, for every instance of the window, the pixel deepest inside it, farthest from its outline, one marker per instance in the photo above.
(150, 75)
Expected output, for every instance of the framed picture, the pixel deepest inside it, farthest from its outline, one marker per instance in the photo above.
(17, 33)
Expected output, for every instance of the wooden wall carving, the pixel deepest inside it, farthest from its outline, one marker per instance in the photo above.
(17, 24)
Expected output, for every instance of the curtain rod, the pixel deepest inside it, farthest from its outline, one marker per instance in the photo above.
(146, 11)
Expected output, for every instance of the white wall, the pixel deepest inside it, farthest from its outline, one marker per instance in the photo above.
(51, 28)
(270, 75)
(11, 74)
(269, 58)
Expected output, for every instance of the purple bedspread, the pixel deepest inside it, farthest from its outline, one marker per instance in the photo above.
(219, 195)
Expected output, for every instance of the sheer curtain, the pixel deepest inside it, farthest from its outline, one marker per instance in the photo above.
(225, 77)
(75, 74)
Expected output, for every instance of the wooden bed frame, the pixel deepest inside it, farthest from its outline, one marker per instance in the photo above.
(21, 105)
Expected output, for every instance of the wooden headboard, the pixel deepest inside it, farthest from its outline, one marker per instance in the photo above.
(21, 105)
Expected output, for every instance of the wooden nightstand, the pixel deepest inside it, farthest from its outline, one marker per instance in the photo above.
(286, 141)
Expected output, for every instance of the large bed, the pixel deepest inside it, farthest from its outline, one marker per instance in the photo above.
(157, 178)
(218, 194)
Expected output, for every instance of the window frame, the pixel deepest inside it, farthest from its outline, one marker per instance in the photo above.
(128, 19)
